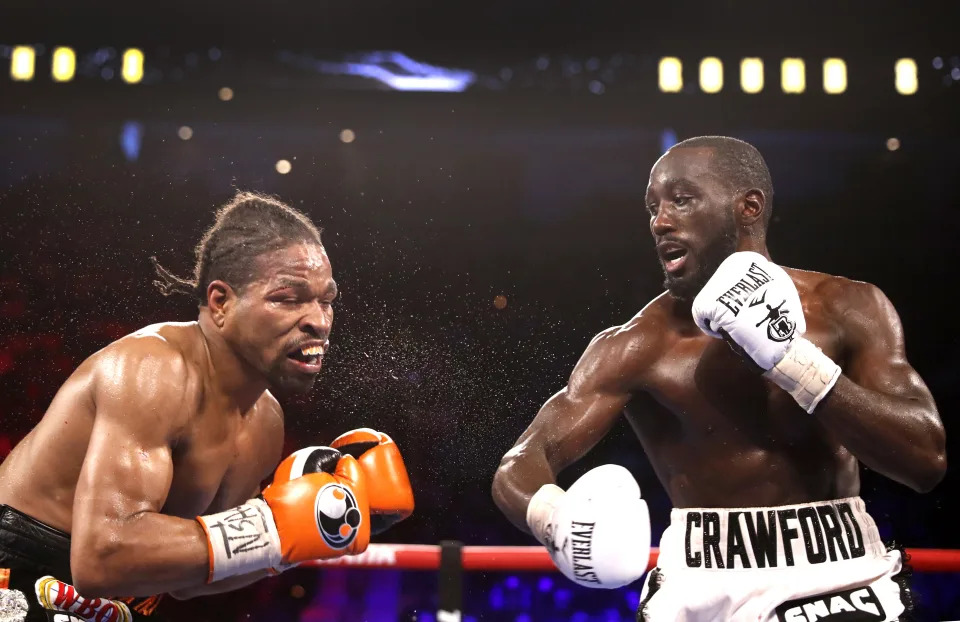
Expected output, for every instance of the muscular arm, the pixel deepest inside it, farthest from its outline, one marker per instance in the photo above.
(570, 423)
(121, 545)
(880, 409)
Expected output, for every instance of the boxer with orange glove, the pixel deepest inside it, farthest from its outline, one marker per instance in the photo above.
(321, 504)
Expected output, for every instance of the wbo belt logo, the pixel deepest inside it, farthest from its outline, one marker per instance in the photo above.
(61, 599)
(338, 515)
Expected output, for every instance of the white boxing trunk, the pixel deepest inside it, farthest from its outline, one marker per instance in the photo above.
(820, 561)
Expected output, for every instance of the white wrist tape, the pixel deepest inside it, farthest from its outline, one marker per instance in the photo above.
(241, 540)
(806, 373)
(540, 509)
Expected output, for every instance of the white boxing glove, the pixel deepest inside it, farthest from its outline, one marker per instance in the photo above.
(598, 531)
(754, 303)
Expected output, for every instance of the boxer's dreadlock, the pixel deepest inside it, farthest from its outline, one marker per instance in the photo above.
(248, 226)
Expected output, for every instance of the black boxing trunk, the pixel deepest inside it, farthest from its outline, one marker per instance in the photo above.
(35, 579)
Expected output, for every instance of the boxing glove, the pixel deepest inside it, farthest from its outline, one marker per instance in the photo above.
(315, 459)
(598, 531)
(314, 516)
(387, 482)
(754, 304)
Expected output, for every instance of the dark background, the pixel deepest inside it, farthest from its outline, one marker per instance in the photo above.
(528, 185)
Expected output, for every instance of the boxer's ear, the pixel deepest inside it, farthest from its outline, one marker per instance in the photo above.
(751, 207)
(220, 299)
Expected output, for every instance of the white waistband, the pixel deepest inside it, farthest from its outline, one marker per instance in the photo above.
(784, 536)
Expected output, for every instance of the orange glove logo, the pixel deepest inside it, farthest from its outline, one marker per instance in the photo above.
(338, 515)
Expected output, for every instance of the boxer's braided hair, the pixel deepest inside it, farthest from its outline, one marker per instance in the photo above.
(250, 225)
(740, 164)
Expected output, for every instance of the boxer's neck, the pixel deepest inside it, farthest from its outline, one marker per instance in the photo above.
(231, 376)
(754, 243)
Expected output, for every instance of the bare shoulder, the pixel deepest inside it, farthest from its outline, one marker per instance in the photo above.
(621, 354)
(840, 296)
(856, 307)
(634, 337)
(155, 367)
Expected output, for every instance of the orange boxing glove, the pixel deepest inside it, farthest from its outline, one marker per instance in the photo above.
(315, 516)
(388, 485)
(316, 459)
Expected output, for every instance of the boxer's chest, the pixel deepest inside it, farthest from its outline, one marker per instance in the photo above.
(704, 384)
(219, 469)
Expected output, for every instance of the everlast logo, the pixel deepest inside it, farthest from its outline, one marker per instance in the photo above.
(859, 605)
(828, 532)
(581, 541)
(735, 297)
(58, 598)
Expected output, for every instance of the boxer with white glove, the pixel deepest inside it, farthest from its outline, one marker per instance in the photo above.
(756, 489)
(598, 531)
(753, 303)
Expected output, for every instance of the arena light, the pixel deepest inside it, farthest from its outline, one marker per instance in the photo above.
(21, 63)
(670, 74)
(751, 75)
(64, 64)
(711, 75)
(793, 75)
(834, 76)
(905, 80)
(132, 66)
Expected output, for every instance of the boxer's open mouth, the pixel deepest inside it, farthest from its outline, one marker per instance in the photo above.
(308, 355)
(672, 255)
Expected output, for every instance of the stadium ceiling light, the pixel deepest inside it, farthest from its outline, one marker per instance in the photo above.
(711, 75)
(793, 78)
(905, 76)
(132, 66)
(670, 74)
(21, 63)
(751, 75)
(834, 76)
(64, 64)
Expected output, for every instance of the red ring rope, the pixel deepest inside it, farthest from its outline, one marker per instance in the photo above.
(520, 558)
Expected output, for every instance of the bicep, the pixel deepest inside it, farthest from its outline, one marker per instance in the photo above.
(125, 471)
(572, 422)
(576, 418)
(876, 354)
(128, 467)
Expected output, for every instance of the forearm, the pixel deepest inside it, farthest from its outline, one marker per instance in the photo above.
(147, 554)
(901, 438)
(218, 587)
(521, 474)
